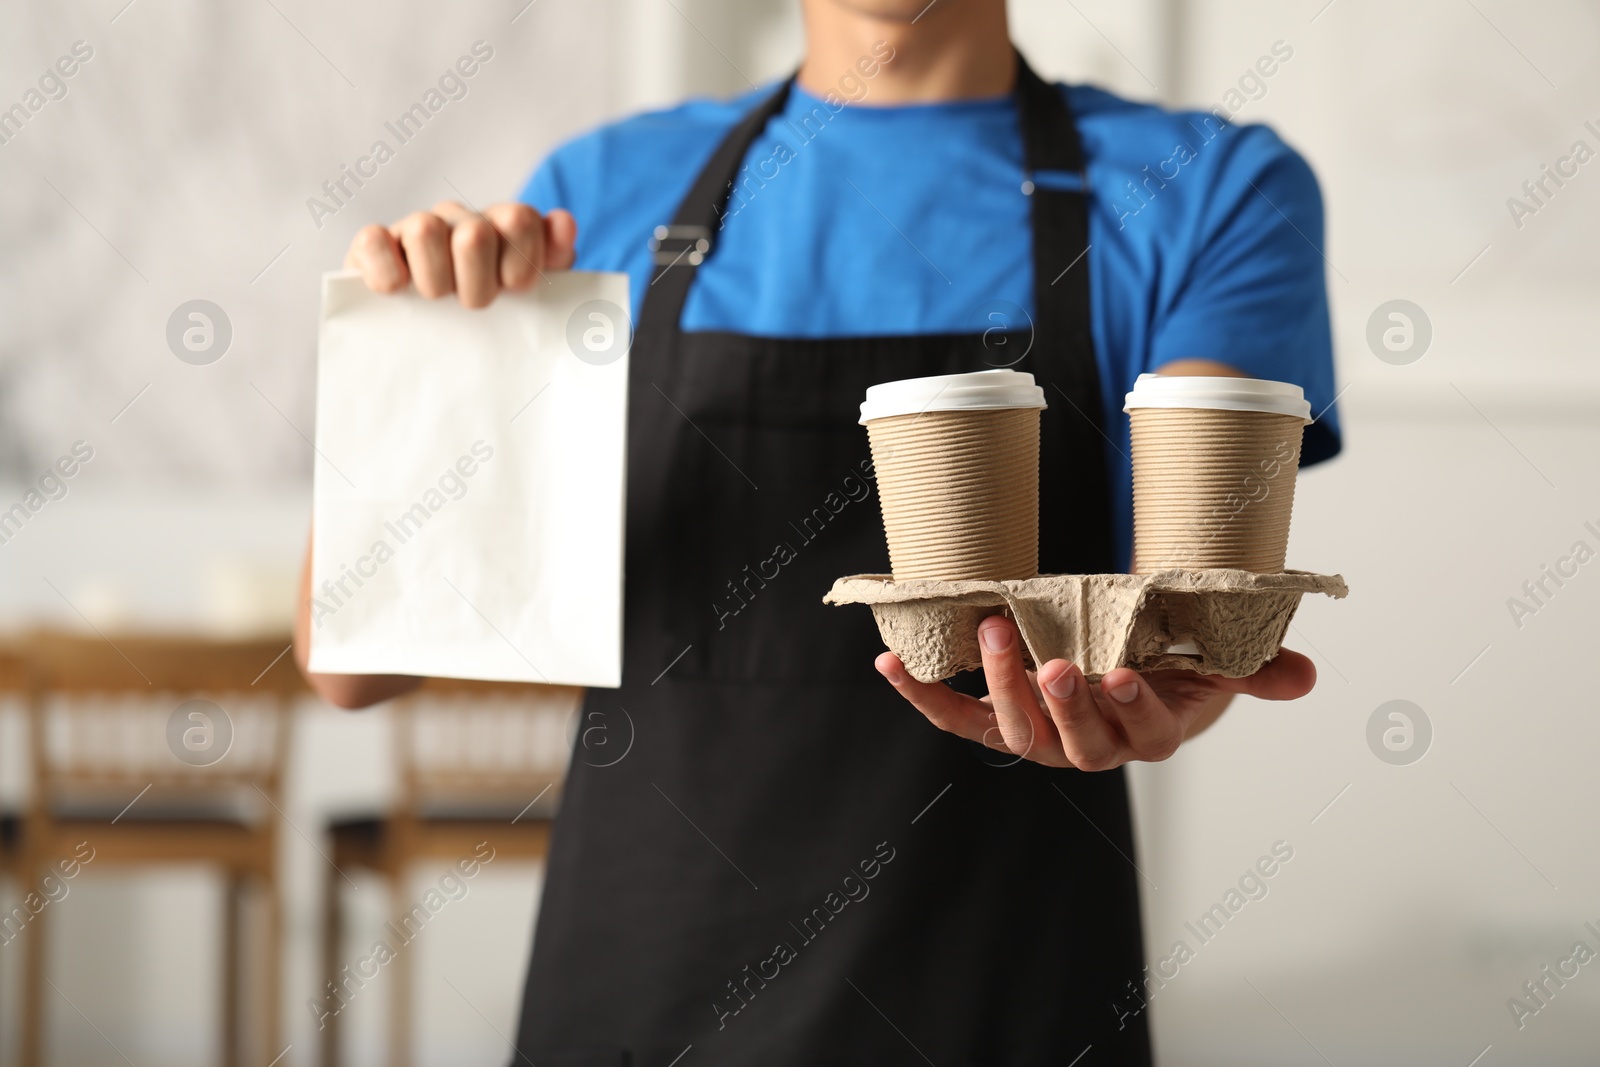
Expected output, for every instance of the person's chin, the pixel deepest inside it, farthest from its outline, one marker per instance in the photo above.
(892, 10)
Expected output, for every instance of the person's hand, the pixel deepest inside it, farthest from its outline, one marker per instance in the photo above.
(452, 249)
(1056, 718)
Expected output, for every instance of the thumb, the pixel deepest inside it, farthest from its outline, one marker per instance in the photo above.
(1288, 677)
(560, 240)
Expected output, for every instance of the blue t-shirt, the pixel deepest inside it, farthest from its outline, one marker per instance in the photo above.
(862, 220)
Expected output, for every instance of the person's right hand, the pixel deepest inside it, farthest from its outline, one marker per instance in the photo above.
(452, 249)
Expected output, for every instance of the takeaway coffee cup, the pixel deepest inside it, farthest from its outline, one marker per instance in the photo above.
(957, 463)
(1214, 465)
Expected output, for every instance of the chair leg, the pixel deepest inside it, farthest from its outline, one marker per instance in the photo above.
(332, 946)
(272, 971)
(232, 905)
(400, 1028)
(34, 954)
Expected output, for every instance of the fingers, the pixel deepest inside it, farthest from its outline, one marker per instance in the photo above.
(560, 240)
(376, 254)
(1088, 740)
(453, 249)
(474, 254)
(522, 244)
(1288, 677)
(425, 238)
(947, 709)
(1021, 722)
(1092, 728)
(1153, 731)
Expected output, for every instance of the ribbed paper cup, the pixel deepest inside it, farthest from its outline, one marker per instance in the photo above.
(1214, 467)
(958, 483)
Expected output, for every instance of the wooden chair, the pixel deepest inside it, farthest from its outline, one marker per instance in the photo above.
(477, 762)
(120, 765)
(16, 687)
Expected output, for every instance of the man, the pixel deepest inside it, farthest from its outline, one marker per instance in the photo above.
(788, 868)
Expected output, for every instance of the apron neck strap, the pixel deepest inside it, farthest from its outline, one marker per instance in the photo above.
(1049, 134)
(1049, 142)
(679, 248)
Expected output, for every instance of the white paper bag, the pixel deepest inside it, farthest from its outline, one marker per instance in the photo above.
(468, 499)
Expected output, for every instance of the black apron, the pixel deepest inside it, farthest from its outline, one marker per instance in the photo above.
(764, 855)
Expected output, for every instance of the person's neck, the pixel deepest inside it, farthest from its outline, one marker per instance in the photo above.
(952, 51)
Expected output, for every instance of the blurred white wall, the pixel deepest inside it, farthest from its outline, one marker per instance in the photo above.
(178, 166)
(1420, 897)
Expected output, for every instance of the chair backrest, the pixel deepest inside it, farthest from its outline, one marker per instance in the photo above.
(16, 689)
(177, 714)
(483, 746)
(15, 677)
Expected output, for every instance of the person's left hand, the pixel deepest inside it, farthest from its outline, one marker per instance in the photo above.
(1056, 718)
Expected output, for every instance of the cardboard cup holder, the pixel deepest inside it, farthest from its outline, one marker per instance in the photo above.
(1225, 622)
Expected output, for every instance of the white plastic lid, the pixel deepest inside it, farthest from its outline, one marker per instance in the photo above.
(1224, 394)
(953, 392)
